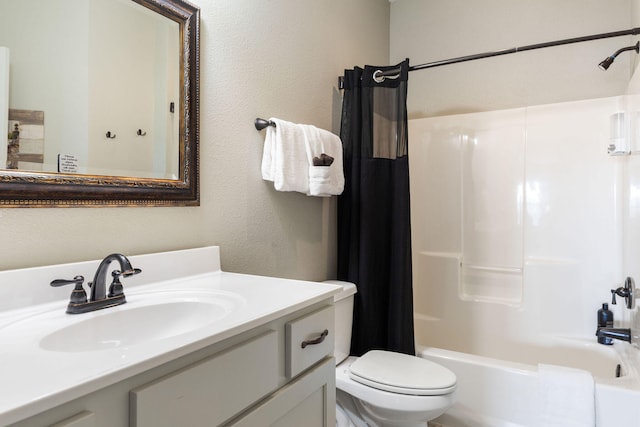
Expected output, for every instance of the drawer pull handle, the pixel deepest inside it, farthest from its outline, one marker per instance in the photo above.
(317, 340)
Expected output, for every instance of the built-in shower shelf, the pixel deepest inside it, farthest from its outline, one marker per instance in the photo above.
(491, 284)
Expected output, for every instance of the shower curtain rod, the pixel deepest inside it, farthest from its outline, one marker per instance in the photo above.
(630, 32)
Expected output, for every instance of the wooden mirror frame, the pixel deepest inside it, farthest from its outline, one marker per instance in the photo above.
(39, 189)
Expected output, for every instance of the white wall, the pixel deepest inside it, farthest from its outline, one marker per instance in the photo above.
(431, 30)
(281, 59)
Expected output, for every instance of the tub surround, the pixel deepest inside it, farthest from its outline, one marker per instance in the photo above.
(45, 372)
(566, 233)
(572, 221)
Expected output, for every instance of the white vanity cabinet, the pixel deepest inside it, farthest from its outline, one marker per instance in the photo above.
(261, 377)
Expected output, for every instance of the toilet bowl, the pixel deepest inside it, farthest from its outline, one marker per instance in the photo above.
(383, 388)
(382, 400)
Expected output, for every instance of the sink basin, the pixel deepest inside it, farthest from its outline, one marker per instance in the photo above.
(138, 322)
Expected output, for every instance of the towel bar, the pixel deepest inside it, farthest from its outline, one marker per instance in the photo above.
(262, 123)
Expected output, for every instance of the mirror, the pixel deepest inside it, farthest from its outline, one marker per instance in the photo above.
(102, 103)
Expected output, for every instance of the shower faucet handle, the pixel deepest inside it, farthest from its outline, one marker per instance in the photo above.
(627, 292)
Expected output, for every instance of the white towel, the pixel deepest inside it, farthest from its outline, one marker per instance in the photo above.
(284, 157)
(327, 180)
(566, 397)
(287, 159)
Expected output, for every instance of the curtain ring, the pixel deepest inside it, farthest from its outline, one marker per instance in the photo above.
(378, 78)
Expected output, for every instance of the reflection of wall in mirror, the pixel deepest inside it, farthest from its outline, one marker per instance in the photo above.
(4, 104)
(66, 67)
(142, 93)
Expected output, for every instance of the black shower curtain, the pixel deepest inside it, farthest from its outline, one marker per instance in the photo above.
(374, 230)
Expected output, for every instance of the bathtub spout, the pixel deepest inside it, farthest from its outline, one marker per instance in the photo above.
(607, 335)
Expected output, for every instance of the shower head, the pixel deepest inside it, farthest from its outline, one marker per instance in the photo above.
(604, 65)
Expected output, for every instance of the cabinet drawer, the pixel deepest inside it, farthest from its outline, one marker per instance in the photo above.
(209, 392)
(308, 340)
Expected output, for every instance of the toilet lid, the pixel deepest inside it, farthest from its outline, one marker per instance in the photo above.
(402, 373)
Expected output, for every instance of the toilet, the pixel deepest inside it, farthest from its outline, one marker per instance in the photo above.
(383, 388)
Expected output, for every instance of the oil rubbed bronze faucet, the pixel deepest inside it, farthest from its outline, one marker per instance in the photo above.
(607, 335)
(99, 298)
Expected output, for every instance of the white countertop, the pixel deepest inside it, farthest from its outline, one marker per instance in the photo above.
(36, 379)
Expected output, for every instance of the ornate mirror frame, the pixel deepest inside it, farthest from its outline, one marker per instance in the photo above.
(38, 189)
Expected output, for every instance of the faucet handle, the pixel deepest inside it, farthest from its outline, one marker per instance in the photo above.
(78, 296)
(63, 282)
(626, 291)
(116, 289)
(621, 292)
(130, 272)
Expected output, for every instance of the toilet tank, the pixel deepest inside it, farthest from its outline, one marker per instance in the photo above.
(343, 318)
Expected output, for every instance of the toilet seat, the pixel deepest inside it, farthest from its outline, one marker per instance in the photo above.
(402, 374)
(384, 399)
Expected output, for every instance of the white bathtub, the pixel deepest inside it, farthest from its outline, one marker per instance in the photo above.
(498, 393)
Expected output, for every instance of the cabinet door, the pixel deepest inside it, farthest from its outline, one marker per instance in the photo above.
(309, 401)
(212, 391)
